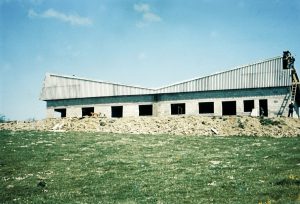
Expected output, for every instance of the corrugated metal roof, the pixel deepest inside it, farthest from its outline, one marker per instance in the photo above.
(268, 73)
(64, 87)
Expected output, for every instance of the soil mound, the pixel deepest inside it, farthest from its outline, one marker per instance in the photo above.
(175, 125)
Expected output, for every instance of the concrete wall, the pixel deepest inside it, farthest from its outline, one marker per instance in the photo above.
(192, 107)
(162, 103)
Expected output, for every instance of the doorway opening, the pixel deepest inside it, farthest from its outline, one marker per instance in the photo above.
(263, 107)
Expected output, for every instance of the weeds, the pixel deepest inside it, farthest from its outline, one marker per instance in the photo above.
(240, 124)
(268, 121)
(291, 180)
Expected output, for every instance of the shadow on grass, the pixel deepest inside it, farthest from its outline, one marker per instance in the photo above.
(288, 182)
(21, 191)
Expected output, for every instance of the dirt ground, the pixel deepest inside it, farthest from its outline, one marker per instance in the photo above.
(174, 125)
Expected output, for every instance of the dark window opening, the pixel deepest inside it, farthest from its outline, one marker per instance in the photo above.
(229, 107)
(117, 111)
(62, 111)
(206, 107)
(87, 111)
(145, 110)
(248, 105)
(263, 107)
(177, 109)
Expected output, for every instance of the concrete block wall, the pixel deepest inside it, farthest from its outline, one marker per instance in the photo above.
(130, 110)
(50, 113)
(103, 109)
(74, 111)
(192, 107)
(163, 108)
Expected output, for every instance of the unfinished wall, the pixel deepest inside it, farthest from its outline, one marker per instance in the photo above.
(162, 103)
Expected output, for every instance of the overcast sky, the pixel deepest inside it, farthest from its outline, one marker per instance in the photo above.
(150, 43)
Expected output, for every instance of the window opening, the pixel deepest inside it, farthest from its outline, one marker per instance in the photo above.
(88, 111)
(248, 105)
(117, 111)
(229, 107)
(145, 110)
(178, 109)
(62, 111)
(206, 107)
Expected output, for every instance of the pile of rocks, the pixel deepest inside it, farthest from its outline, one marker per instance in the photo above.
(175, 125)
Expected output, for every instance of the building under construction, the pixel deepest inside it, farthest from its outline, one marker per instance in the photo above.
(263, 88)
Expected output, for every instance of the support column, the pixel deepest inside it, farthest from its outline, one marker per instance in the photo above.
(218, 108)
(191, 108)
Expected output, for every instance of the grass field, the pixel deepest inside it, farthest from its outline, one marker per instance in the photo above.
(45, 167)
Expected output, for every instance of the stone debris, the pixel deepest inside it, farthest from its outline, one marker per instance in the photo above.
(172, 125)
(58, 127)
(214, 131)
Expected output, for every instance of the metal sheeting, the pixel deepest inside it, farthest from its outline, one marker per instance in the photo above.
(264, 74)
(65, 87)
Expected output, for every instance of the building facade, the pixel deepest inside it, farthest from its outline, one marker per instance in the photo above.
(262, 88)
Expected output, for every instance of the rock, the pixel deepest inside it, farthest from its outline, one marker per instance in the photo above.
(214, 131)
(102, 123)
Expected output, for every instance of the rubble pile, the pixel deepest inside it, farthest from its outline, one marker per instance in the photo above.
(174, 125)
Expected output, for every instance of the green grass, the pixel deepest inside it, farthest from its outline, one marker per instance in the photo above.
(119, 168)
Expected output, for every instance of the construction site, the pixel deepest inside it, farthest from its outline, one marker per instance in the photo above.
(259, 99)
(265, 88)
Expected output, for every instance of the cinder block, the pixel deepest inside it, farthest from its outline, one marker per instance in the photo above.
(131, 110)
(74, 112)
(162, 103)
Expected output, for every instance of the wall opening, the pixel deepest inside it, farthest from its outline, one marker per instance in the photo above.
(87, 111)
(145, 110)
(206, 107)
(263, 107)
(248, 105)
(62, 111)
(229, 107)
(178, 109)
(117, 111)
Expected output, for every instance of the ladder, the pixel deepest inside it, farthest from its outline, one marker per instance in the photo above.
(295, 83)
(292, 93)
(284, 104)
